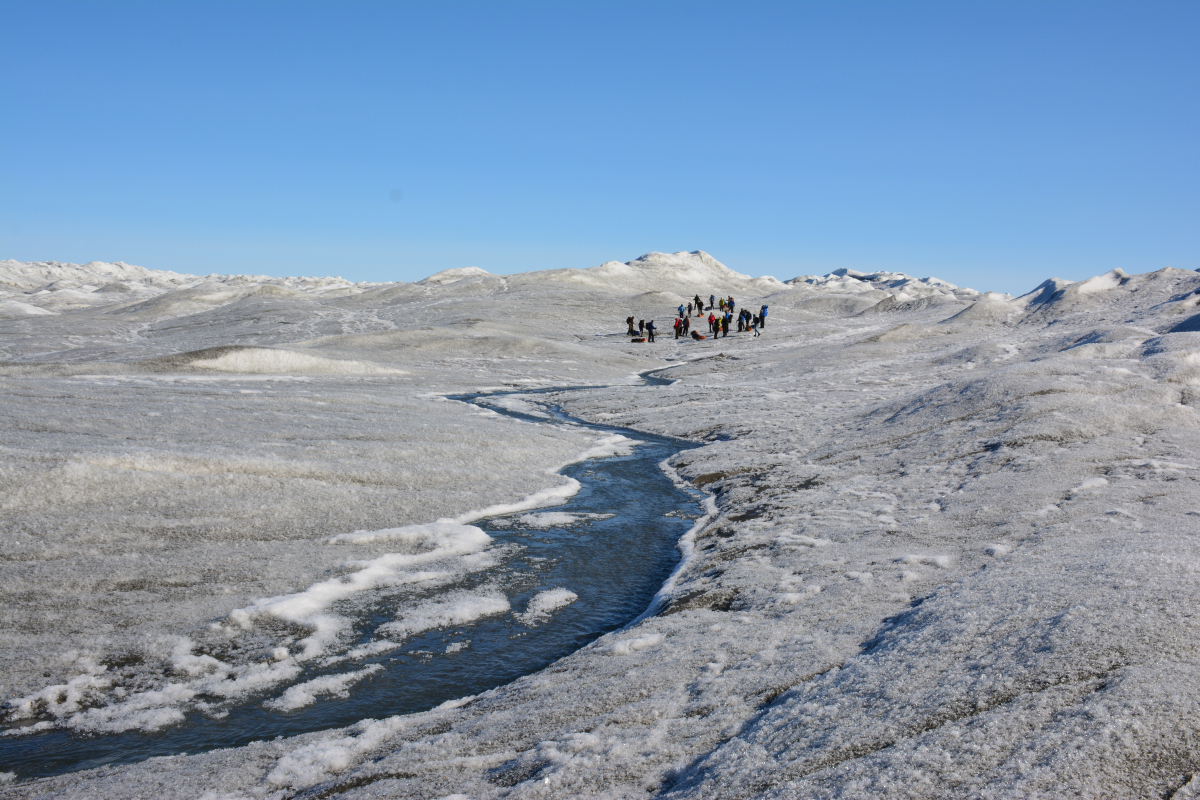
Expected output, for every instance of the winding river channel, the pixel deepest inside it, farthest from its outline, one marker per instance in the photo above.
(615, 556)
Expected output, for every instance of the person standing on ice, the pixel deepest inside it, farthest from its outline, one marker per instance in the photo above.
(641, 327)
(687, 325)
(712, 320)
(712, 301)
(650, 331)
(678, 325)
(698, 304)
(629, 322)
(681, 309)
(689, 308)
(762, 317)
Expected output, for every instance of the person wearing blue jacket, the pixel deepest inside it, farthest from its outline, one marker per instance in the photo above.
(762, 317)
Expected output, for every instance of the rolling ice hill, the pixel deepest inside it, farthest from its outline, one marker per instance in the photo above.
(953, 548)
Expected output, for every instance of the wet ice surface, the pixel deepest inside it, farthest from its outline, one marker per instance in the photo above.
(556, 584)
(955, 548)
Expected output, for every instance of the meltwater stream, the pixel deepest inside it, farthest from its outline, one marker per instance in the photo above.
(615, 561)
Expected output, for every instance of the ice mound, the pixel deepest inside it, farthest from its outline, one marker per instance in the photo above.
(270, 361)
(833, 305)
(680, 275)
(15, 308)
(991, 307)
(1189, 325)
(905, 302)
(454, 275)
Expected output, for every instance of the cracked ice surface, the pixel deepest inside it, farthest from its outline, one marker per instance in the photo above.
(955, 550)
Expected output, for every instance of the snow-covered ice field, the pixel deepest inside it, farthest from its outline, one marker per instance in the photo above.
(953, 551)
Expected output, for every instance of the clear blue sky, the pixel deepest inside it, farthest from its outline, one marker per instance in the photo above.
(989, 144)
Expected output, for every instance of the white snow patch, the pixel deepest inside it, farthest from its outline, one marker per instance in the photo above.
(605, 447)
(543, 604)
(436, 543)
(307, 765)
(556, 519)
(262, 360)
(1099, 283)
(455, 608)
(305, 694)
(545, 497)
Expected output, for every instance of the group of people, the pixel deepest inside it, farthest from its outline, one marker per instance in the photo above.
(720, 317)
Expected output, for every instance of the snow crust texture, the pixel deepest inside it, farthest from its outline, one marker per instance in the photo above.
(954, 548)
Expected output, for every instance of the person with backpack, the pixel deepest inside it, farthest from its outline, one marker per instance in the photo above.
(629, 322)
(678, 326)
(712, 301)
(762, 317)
(699, 304)
(687, 325)
(650, 331)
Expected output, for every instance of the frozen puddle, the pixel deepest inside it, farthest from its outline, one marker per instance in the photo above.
(548, 583)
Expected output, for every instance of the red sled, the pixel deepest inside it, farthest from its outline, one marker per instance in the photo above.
(697, 335)
(638, 339)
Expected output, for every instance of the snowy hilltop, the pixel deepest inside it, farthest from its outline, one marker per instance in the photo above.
(923, 541)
